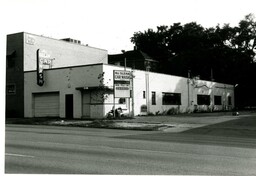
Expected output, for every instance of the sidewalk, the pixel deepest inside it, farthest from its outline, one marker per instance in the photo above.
(182, 122)
(174, 123)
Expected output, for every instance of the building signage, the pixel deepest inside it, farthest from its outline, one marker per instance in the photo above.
(121, 75)
(44, 61)
(122, 90)
(30, 40)
(122, 83)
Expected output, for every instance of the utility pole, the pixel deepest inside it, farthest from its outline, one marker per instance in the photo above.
(188, 88)
(147, 87)
(132, 95)
(123, 51)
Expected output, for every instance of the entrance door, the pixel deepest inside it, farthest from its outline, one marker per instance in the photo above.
(69, 106)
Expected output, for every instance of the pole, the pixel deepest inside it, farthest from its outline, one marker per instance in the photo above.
(188, 89)
(147, 88)
(124, 63)
(132, 95)
(235, 99)
(114, 94)
(123, 51)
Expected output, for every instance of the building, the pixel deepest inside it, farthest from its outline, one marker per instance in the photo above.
(55, 78)
(22, 58)
(134, 59)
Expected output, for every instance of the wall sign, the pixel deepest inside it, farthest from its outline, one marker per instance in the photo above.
(122, 83)
(30, 40)
(121, 75)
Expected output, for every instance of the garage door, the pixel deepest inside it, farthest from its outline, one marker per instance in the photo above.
(46, 104)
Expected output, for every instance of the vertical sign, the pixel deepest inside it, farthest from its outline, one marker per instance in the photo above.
(122, 83)
(43, 62)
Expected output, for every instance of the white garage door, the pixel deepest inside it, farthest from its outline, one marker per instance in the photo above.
(46, 105)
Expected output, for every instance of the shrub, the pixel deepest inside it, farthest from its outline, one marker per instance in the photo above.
(173, 111)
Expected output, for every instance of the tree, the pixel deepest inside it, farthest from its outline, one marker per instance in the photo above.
(227, 52)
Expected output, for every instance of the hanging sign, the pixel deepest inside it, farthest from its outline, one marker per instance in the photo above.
(44, 61)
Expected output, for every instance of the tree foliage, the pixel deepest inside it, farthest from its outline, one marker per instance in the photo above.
(225, 54)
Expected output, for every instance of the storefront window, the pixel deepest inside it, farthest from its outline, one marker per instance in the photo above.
(217, 100)
(171, 98)
(203, 99)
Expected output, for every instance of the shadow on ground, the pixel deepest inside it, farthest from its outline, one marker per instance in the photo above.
(241, 127)
(240, 132)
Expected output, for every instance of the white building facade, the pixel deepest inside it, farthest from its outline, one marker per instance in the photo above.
(91, 89)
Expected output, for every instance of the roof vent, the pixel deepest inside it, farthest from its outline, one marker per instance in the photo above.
(71, 40)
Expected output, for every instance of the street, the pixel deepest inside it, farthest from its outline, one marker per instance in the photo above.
(34, 149)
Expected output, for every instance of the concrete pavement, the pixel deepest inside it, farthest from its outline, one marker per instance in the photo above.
(31, 149)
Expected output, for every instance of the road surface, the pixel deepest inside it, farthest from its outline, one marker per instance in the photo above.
(68, 150)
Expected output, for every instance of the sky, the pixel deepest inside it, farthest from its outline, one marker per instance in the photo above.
(109, 24)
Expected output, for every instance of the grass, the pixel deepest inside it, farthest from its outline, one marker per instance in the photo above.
(102, 123)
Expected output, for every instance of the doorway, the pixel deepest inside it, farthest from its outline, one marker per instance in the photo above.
(69, 106)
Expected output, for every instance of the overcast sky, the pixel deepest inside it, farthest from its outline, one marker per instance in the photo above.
(109, 24)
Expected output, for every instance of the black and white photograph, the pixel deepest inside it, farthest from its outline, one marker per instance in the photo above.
(128, 87)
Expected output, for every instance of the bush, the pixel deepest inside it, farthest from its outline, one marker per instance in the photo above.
(151, 114)
(173, 111)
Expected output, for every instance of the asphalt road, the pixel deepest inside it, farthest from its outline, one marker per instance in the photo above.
(68, 150)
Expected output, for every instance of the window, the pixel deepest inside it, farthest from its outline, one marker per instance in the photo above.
(203, 99)
(229, 100)
(122, 101)
(217, 100)
(11, 89)
(10, 62)
(117, 63)
(10, 59)
(144, 94)
(153, 98)
(171, 98)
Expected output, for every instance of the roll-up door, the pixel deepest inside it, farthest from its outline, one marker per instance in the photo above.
(46, 104)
